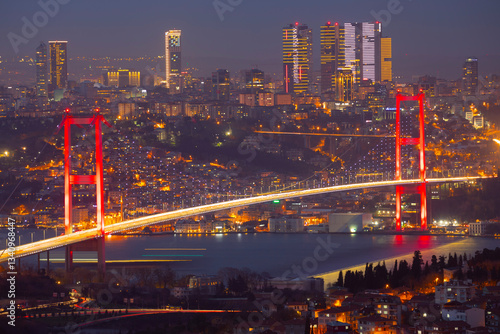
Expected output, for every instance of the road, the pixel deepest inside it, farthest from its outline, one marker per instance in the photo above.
(64, 240)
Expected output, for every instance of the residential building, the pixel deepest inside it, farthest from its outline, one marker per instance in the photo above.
(493, 320)
(389, 307)
(461, 291)
(376, 324)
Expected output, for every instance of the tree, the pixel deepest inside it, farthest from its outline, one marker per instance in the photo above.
(381, 275)
(369, 278)
(434, 264)
(416, 267)
(427, 268)
(340, 280)
(442, 262)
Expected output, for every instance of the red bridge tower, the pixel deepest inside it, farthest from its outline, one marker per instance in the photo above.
(421, 187)
(97, 179)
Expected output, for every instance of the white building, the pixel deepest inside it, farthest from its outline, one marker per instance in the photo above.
(348, 222)
(478, 228)
(460, 291)
(455, 311)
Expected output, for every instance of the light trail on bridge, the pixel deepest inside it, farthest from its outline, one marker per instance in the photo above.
(323, 134)
(64, 240)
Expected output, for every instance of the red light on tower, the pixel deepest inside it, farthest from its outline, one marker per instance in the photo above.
(420, 141)
(296, 23)
(336, 23)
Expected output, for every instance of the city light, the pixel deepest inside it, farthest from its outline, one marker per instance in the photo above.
(305, 177)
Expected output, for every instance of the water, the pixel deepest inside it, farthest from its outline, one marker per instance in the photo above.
(276, 254)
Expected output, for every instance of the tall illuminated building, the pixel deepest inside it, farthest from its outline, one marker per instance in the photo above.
(370, 37)
(58, 65)
(344, 85)
(297, 58)
(41, 70)
(384, 72)
(173, 50)
(471, 76)
(332, 54)
(358, 46)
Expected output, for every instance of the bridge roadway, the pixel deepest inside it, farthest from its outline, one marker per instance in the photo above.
(64, 240)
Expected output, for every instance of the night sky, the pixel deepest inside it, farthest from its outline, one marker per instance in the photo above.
(429, 36)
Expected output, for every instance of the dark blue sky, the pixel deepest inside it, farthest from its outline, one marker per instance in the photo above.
(429, 36)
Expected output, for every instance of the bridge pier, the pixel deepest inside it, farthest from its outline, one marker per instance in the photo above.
(423, 206)
(69, 259)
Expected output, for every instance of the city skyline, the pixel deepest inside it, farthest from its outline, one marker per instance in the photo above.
(232, 46)
(232, 166)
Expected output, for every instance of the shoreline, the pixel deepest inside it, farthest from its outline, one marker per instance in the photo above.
(332, 276)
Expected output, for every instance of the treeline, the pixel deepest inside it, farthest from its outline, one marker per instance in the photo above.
(481, 267)
(469, 205)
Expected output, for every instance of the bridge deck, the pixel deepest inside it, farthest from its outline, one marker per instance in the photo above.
(64, 240)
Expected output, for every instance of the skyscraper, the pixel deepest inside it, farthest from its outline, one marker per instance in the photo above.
(332, 54)
(173, 50)
(385, 59)
(220, 85)
(297, 58)
(254, 80)
(58, 66)
(344, 85)
(41, 70)
(370, 37)
(358, 46)
(470, 78)
(352, 45)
